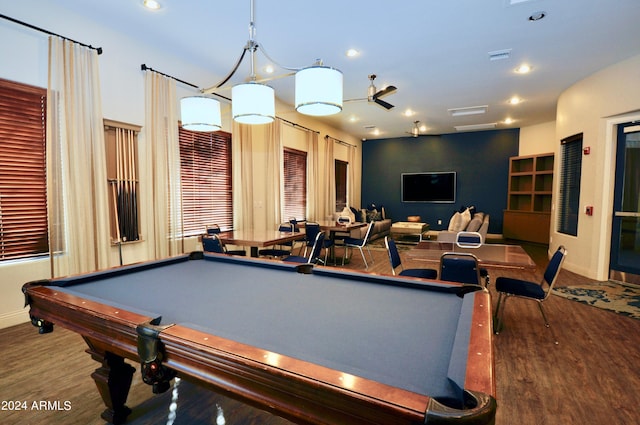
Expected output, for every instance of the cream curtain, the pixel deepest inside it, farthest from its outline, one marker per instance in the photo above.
(257, 175)
(162, 157)
(330, 176)
(242, 175)
(351, 181)
(76, 163)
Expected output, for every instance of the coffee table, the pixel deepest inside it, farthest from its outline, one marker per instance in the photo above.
(403, 230)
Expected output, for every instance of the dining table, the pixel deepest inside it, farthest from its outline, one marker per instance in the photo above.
(256, 239)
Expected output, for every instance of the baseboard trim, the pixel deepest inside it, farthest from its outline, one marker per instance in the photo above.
(14, 318)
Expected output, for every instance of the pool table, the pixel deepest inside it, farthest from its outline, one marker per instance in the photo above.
(311, 344)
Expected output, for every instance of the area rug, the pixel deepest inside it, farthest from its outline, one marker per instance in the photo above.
(611, 296)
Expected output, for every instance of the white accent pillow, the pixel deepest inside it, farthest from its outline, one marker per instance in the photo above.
(454, 223)
(465, 218)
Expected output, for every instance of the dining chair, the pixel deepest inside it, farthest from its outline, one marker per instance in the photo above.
(213, 243)
(284, 249)
(460, 267)
(214, 229)
(360, 244)
(314, 255)
(394, 259)
(466, 239)
(536, 291)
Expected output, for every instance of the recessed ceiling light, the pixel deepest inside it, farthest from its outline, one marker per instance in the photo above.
(536, 16)
(523, 69)
(508, 121)
(515, 100)
(152, 4)
(409, 113)
(269, 69)
(351, 53)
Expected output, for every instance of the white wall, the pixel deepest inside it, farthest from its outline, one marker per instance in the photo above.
(23, 58)
(593, 106)
(537, 139)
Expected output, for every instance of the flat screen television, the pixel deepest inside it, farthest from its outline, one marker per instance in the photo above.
(429, 187)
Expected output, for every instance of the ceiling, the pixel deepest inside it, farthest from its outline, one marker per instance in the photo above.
(436, 52)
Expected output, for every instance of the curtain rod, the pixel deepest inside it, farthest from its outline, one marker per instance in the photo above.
(144, 67)
(340, 142)
(298, 125)
(33, 27)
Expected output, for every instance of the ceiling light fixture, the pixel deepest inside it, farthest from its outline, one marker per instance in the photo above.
(537, 16)
(352, 53)
(151, 4)
(318, 92)
(523, 69)
(515, 100)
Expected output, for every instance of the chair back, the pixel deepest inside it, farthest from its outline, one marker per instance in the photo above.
(311, 230)
(294, 223)
(212, 243)
(213, 229)
(366, 236)
(394, 255)
(317, 248)
(460, 267)
(553, 268)
(469, 239)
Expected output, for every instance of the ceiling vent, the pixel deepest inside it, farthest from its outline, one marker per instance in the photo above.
(470, 110)
(497, 55)
(472, 127)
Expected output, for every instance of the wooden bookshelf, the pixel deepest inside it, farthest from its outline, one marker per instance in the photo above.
(528, 213)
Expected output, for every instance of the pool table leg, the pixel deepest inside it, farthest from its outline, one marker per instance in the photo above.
(113, 380)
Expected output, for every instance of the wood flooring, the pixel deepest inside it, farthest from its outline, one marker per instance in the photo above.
(592, 376)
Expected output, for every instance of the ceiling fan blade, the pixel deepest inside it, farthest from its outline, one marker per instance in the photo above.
(387, 90)
(383, 103)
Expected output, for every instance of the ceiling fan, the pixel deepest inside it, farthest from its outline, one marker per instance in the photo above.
(416, 130)
(374, 95)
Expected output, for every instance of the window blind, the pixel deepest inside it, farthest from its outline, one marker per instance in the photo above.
(569, 195)
(23, 190)
(205, 167)
(295, 184)
(341, 184)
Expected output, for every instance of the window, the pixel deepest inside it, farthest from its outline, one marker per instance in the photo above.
(121, 142)
(341, 184)
(295, 184)
(205, 167)
(569, 196)
(23, 186)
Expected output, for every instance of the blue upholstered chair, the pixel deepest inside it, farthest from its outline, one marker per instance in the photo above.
(282, 250)
(460, 267)
(539, 292)
(473, 240)
(360, 244)
(212, 243)
(314, 255)
(214, 229)
(394, 258)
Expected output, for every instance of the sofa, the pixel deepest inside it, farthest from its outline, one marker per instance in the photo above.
(466, 220)
(381, 226)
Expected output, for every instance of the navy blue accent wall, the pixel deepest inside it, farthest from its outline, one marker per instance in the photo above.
(481, 160)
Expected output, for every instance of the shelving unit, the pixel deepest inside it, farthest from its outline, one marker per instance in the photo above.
(528, 213)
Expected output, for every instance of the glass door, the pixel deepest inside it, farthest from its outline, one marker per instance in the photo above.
(625, 235)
